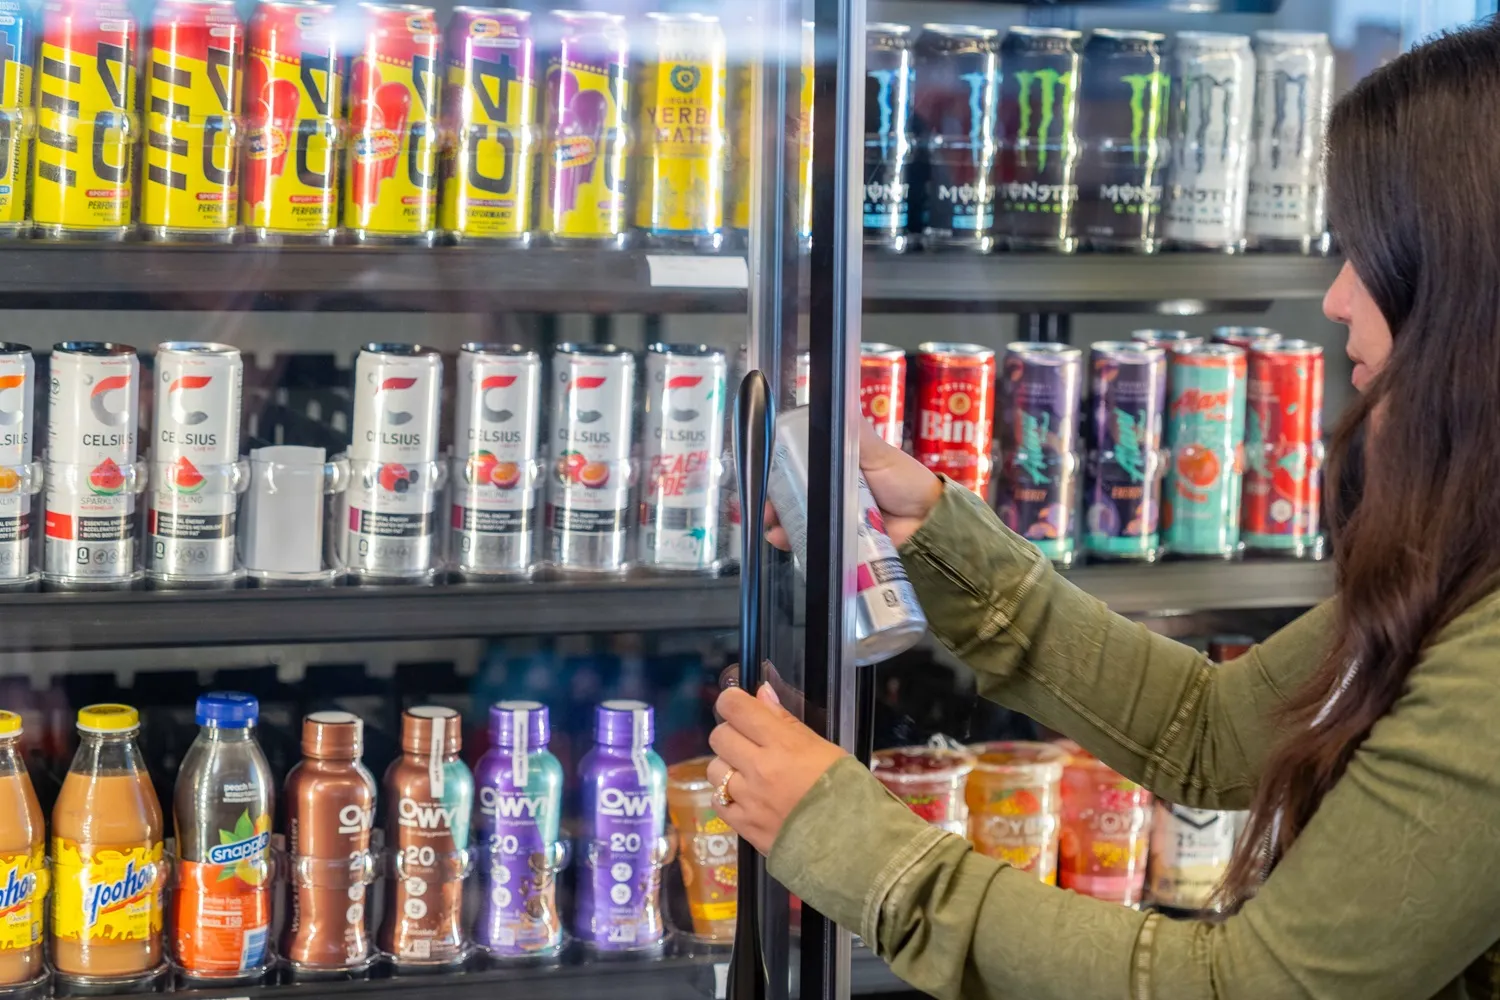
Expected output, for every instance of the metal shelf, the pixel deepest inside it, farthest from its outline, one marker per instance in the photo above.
(1194, 587)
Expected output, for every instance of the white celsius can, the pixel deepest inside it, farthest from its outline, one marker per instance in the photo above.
(17, 430)
(682, 466)
(588, 501)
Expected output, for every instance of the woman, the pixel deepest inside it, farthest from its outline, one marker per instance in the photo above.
(1365, 737)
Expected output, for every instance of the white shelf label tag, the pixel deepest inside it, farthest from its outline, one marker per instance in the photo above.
(670, 271)
(721, 980)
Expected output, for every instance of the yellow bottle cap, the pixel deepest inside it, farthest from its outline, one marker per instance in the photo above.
(10, 724)
(108, 719)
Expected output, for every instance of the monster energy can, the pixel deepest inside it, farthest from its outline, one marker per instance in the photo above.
(1122, 130)
(1038, 190)
(958, 89)
(888, 136)
(1213, 92)
(1287, 208)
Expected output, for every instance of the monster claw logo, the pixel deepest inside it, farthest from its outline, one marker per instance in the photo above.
(1157, 86)
(681, 414)
(9, 417)
(1282, 85)
(1201, 96)
(685, 78)
(492, 415)
(178, 405)
(977, 87)
(578, 385)
(394, 417)
(103, 388)
(1056, 87)
(883, 79)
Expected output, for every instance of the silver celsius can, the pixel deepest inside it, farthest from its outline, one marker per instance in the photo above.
(17, 475)
(1212, 113)
(195, 472)
(588, 503)
(1288, 207)
(496, 461)
(684, 435)
(395, 480)
(92, 480)
(731, 515)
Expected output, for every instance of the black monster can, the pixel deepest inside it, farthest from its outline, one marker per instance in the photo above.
(1123, 152)
(888, 136)
(958, 93)
(1038, 191)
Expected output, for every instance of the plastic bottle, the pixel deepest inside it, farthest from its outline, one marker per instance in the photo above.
(23, 871)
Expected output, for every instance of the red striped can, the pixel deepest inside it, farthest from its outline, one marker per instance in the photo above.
(1284, 449)
(882, 390)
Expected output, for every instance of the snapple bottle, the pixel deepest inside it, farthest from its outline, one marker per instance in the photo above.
(23, 873)
(623, 844)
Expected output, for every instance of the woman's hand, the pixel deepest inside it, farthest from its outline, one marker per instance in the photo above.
(775, 761)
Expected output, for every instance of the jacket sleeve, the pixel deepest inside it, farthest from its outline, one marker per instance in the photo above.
(1389, 893)
(1155, 710)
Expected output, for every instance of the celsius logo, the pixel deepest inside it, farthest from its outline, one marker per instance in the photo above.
(102, 413)
(509, 805)
(677, 387)
(177, 404)
(579, 385)
(613, 802)
(393, 416)
(10, 417)
(353, 819)
(426, 815)
(492, 415)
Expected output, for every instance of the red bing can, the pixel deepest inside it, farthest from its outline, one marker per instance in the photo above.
(1284, 450)
(955, 423)
(882, 390)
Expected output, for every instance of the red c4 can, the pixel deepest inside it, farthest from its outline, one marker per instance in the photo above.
(882, 390)
(955, 423)
(1284, 449)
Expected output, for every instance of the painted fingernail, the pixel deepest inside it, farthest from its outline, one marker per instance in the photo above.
(768, 693)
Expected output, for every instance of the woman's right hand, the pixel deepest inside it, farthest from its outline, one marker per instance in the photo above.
(905, 490)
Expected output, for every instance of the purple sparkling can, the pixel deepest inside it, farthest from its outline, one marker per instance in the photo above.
(1040, 394)
(1125, 461)
(519, 785)
(623, 845)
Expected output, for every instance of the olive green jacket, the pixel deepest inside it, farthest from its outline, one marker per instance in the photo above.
(1392, 892)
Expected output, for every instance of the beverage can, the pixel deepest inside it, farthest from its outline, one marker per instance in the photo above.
(24, 878)
(882, 390)
(1041, 393)
(890, 143)
(957, 100)
(1015, 805)
(195, 463)
(17, 113)
(497, 468)
(87, 128)
(1170, 341)
(221, 811)
(489, 163)
(330, 804)
(1122, 128)
(623, 845)
(1212, 114)
(709, 854)
(429, 795)
(17, 474)
(930, 781)
(391, 178)
(586, 135)
(1038, 188)
(684, 432)
(1284, 449)
(92, 481)
(743, 81)
(733, 517)
(520, 787)
(588, 501)
(1106, 831)
(681, 132)
(805, 126)
(395, 480)
(1205, 436)
(1223, 648)
(1125, 460)
(294, 89)
(1246, 338)
(802, 379)
(1190, 851)
(954, 428)
(1288, 204)
(190, 185)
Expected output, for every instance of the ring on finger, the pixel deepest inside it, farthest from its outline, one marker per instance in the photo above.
(721, 794)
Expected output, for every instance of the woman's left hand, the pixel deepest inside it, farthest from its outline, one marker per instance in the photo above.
(772, 761)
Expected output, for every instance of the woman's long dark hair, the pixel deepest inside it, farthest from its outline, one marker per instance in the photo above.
(1414, 198)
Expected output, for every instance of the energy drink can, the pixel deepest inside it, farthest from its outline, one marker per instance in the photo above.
(195, 470)
(882, 390)
(588, 502)
(681, 133)
(954, 429)
(1122, 131)
(1170, 341)
(18, 478)
(1288, 204)
(1284, 450)
(1125, 460)
(1205, 438)
(587, 133)
(17, 116)
(958, 93)
(684, 433)
(1038, 192)
(497, 468)
(1223, 648)
(1213, 103)
(390, 181)
(395, 479)
(93, 410)
(293, 94)
(1246, 338)
(802, 379)
(489, 104)
(889, 140)
(86, 124)
(190, 186)
(1041, 391)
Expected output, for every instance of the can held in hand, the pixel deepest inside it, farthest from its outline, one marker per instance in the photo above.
(93, 411)
(1041, 388)
(497, 466)
(1190, 851)
(1214, 79)
(1038, 192)
(395, 479)
(1126, 460)
(889, 141)
(1122, 134)
(1284, 450)
(87, 127)
(1106, 831)
(930, 780)
(587, 132)
(684, 434)
(882, 390)
(17, 113)
(1205, 439)
(196, 476)
(18, 476)
(489, 163)
(1288, 205)
(588, 499)
(958, 95)
(955, 422)
(1015, 805)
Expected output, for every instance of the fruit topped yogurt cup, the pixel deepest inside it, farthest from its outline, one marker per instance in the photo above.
(930, 780)
(1015, 802)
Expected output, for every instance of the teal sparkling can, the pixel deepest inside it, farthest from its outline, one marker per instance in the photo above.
(1205, 431)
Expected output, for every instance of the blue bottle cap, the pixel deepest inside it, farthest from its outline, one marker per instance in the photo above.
(624, 724)
(522, 723)
(227, 709)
